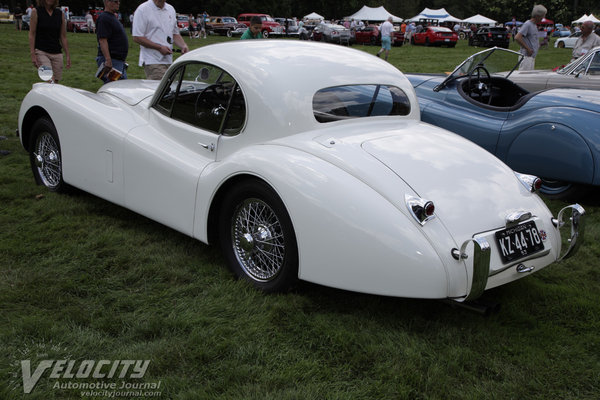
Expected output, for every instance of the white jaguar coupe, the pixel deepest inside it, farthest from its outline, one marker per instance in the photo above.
(305, 161)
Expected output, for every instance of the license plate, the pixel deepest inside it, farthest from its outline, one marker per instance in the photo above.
(519, 241)
(499, 36)
(446, 40)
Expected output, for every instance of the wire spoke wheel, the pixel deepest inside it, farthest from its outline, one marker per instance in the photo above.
(258, 240)
(45, 155)
(47, 158)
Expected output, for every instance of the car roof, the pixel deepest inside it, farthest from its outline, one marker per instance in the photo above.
(281, 77)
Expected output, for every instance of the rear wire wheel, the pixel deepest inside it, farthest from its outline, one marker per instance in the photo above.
(257, 237)
(558, 190)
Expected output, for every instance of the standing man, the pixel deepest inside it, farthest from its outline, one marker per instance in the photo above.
(587, 41)
(155, 30)
(528, 38)
(387, 30)
(18, 17)
(112, 41)
(89, 20)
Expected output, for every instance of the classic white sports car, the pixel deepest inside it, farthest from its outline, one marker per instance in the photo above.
(300, 173)
(582, 73)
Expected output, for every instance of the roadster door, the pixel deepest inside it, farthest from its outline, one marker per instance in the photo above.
(478, 123)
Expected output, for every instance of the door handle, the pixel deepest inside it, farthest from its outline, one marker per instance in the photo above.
(210, 147)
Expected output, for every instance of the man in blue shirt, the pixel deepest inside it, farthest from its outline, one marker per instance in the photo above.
(112, 42)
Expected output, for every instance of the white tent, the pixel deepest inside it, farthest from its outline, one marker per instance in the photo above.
(313, 15)
(440, 14)
(374, 14)
(479, 20)
(586, 17)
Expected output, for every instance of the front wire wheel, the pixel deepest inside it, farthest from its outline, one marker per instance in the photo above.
(45, 155)
(257, 237)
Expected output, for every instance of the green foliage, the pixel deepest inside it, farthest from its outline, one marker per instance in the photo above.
(81, 278)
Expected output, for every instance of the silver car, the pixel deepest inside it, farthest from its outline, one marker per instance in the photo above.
(567, 42)
(331, 33)
(582, 73)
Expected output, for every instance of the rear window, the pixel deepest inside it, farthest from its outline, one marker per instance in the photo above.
(359, 101)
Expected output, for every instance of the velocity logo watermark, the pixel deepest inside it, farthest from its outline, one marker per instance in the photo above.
(69, 373)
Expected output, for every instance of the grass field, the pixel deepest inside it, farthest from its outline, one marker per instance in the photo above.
(83, 279)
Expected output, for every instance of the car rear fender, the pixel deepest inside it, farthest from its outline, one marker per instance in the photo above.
(557, 150)
(349, 236)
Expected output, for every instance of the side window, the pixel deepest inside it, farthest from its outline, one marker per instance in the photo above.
(359, 101)
(165, 103)
(204, 96)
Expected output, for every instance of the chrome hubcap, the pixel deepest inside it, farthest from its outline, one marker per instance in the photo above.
(47, 160)
(258, 241)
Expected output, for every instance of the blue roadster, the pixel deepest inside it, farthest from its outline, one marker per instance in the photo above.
(554, 134)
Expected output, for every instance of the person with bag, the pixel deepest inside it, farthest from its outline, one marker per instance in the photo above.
(112, 43)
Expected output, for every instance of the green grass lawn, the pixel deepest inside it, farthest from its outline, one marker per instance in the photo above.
(83, 279)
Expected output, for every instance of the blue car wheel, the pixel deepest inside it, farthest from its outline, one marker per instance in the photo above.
(561, 190)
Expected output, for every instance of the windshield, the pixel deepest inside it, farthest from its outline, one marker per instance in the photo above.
(494, 60)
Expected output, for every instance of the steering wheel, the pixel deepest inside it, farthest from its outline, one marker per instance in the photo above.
(204, 99)
(476, 86)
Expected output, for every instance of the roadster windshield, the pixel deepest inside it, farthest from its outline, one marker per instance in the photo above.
(494, 60)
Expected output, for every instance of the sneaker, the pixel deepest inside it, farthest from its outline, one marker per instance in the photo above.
(377, 55)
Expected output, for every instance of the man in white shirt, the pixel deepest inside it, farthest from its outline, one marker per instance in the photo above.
(386, 30)
(155, 30)
(587, 41)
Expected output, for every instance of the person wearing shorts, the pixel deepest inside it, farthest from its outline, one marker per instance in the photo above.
(387, 30)
(155, 30)
(48, 37)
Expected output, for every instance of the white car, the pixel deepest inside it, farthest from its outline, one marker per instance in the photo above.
(582, 73)
(567, 42)
(299, 173)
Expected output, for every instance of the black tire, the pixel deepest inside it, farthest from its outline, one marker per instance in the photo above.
(561, 45)
(557, 190)
(265, 34)
(373, 40)
(228, 33)
(257, 237)
(45, 156)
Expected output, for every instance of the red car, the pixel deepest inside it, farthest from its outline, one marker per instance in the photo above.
(269, 25)
(183, 23)
(370, 35)
(435, 36)
(77, 24)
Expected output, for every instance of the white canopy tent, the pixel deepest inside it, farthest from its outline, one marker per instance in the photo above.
(479, 20)
(374, 14)
(440, 14)
(313, 15)
(586, 17)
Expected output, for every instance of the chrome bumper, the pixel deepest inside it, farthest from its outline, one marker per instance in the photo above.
(577, 226)
(482, 252)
